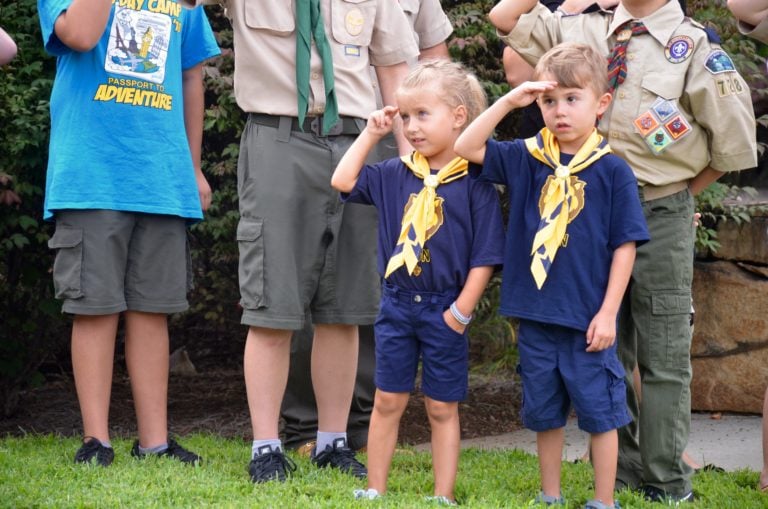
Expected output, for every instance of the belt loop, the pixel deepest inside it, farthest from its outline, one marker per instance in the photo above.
(284, 129)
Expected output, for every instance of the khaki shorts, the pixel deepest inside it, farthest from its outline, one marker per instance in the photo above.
(109, 261)
(301, 249)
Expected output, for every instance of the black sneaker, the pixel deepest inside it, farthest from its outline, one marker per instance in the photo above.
(342, 457)
(270, 465)
(93, 451)
(174, 451)
(654, 494)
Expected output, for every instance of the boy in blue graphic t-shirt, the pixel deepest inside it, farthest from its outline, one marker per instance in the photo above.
(123, 183)
(574, 221)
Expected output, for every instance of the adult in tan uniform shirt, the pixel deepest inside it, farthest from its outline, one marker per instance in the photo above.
(300, 249)
(431, 28)
(753, 22)
(681, 118)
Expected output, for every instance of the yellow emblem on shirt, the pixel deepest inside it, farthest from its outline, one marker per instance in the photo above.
(354, 22)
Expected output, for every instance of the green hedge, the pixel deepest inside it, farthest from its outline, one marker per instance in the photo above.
(33, 333)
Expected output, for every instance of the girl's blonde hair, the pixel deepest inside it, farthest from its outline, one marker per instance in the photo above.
(455, 85)
(574, 65)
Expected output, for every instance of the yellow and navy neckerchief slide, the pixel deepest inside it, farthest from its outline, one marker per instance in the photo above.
(562, 196)
(421, 211)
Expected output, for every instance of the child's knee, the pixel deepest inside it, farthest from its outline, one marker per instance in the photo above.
(390, 403)
(441, 411)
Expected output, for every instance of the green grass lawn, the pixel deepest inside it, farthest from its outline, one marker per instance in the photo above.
(37, 471)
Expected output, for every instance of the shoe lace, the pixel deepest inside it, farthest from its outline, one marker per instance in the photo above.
(176, 451)
(268, 463)
(344, 459)
(91, 447)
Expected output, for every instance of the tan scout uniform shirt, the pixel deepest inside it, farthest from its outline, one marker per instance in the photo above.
(361, 33)
(429, 23)
(716, 106)
(760, 32)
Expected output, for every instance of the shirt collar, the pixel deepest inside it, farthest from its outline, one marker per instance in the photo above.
(660, 24)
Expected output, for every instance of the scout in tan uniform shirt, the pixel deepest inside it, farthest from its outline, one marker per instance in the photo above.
(681, 117)
(431, 28)
(753, 19)
(300, 249)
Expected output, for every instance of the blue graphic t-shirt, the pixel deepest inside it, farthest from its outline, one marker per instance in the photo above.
(470, 232)
(576, 283)
(118, 140)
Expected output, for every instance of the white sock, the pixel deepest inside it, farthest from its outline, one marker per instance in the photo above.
(260, 447)
(328, 438)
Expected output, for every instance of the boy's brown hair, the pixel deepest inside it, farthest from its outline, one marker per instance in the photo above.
(574, 65)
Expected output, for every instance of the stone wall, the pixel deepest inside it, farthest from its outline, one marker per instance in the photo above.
(730, 340)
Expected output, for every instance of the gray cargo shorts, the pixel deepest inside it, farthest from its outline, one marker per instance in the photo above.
(110, 261)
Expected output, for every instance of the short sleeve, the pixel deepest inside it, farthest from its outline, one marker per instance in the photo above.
(198, 42)
(627, 219)
(760, 32)
(49, 11)
(721, 103)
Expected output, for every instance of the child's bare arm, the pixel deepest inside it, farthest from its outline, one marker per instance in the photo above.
(348, 170)
(505, 14)
(471, 143)
(81, 26)
(194, 107)
(602, 330)
(703, 179)
(7, 47)
(752, 12)
(477, 280)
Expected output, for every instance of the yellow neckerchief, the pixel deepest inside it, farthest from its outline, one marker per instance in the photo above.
(421, 214)
(559, 195)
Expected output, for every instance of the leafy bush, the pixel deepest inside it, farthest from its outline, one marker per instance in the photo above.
(31, 330)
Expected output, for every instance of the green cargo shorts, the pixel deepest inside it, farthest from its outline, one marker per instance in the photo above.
(301, 249)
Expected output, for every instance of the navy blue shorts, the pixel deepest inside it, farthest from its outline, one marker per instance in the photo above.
(557, 371)
(410, 327)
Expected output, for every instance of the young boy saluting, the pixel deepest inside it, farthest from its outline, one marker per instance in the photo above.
(574, 220)
(681, 116)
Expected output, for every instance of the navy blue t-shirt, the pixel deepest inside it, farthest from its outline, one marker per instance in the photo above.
(471, 233)
(612, 215)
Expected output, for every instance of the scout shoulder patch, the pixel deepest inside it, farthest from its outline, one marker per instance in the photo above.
(678, 49)
(719, 62)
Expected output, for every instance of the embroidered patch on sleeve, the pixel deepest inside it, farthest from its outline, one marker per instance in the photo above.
(719, 62)
(729, 84)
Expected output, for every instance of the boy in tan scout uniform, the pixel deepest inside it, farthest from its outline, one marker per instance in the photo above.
(431, 28)
(300, 248)
(752, 16)
(681, 116)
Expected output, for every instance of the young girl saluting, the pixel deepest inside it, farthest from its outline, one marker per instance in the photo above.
(440, 236)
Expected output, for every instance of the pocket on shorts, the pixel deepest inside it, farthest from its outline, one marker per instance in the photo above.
(250, 241)
(68, 265)
(670, 329)
(615, 375)
(352, 21)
